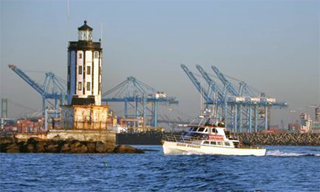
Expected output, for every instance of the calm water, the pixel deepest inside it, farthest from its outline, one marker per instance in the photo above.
(283, 169)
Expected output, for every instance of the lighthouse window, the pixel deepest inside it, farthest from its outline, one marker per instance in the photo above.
(80, 70)
(79, 86)
(80, 55)
(88, 70)
(96, 55)
(88, 86)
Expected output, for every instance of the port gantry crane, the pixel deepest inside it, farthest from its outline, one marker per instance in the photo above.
(240, 109)
(205, 94)
(237, 106)
(140, 97)
(54, 88)
(212, 86)
(129, 91)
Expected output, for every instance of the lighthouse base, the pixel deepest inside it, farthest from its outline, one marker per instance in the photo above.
(85, 117)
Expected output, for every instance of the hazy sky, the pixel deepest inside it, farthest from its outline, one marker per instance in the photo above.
(272, 45)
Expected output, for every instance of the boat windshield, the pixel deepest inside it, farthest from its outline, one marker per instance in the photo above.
(195, 134)
(193, 129)
(201, 129)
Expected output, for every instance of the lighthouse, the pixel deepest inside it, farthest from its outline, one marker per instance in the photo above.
(84, 69)
(84, 110)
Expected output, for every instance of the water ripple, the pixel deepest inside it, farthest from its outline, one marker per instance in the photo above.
(283, 169)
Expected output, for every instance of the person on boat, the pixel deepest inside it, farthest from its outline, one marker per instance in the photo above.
(207, 122)
(221, 123)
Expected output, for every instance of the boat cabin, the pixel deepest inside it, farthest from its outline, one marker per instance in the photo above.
(210, 135)
(206, 130)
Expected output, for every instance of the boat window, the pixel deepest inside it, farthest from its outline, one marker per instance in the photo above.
(195, 129)
(219, 143)
(227, 144)
(214, 130)
(201, 130)
(227, 133)
(213, 143)
(206, 142)
(206, 130)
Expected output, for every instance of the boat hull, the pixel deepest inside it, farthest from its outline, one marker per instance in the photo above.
(176, 148)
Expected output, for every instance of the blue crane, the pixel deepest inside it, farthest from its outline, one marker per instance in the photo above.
(231, 89)
(226, 83)
(241, 108)
(212, 84)
(138, 95)
(198, 85)
(53, 88)
(222, 100)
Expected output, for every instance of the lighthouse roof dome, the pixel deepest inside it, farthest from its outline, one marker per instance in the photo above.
(85, 27)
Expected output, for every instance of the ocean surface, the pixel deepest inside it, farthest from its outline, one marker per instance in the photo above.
(283, 169)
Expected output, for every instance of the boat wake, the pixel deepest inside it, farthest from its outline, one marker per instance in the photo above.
(192, 153)
(289, 154)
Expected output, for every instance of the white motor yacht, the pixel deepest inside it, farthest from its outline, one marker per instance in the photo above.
(210, 140)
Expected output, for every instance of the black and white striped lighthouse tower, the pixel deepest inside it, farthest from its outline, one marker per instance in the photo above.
(84, 69)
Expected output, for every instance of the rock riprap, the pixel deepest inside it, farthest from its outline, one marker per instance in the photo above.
(35, 145)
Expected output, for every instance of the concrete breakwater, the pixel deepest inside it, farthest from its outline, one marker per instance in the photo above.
(293, 139)
(36, 145)
(64, 141)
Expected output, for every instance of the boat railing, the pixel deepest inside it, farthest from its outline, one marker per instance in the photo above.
(182, 138)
